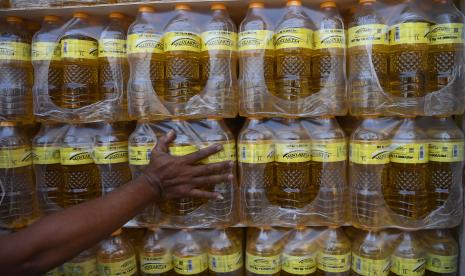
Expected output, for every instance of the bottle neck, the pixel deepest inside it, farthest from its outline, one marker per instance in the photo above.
(220, 13)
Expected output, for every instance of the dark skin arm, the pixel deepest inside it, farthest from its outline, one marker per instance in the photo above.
(57, 238)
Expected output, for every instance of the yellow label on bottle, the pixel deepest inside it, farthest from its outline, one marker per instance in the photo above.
(293, 38)
(293, 152)
(87, 268)
(182, 41)
(329, 151)
(145, 43)
(256, 153)
(225, 263)
(46, 155)
(263, 265)
(333, 263)
(329, 38)
(190, 265)
(140, 155)
(441, 264)
(53, 272)
(256, 40)
(150, 264)
(441, 151)
(121, 268)
(447, 34)
(15, 51)
(409, 153)
(15, 158)
(298, 265)
(369, 267)
(219, 40)
(112, 48)
(46, 51)
(408, 267)
(375, 153)
(76, 156)
(227, 154)
(182, 150)
(369, 34)
(111, 154)
(409, 33)
(79, 48)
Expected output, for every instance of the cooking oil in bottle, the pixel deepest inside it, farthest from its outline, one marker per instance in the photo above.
(300, 253)
(406, 194)
(116, 256)
(113, 65)
(219, 59)
(147, 61)
(409, 258)
(47, 167)
(256, 58)
(155, 254)
(263, 252)
(294, 48)
(189, 255)
(16, 78)
(369, 170)
(225, 254)
(16, 178)
(409, 44)
(442, 253)
(256, 171)
(46, 58)
(182, 50)
(368, 58)
(79, 54)
(370, 255)
(80, 173)
(333, 253)
(328, 60)
(84, 264)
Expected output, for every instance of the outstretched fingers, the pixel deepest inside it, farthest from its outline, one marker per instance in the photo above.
(202, 154)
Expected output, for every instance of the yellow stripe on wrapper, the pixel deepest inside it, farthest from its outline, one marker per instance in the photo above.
(126, 267)
(450, 33)
(263, 265)
(293, 152)
(294, 38)
(408, 267)
(333, 263)
(219, 40)
(79, 48)
(84, 268)
(329, 38)
(298, 265)
(140, 155)
(409, 33)
(15, 158)
(370, 34)
(46, 155)
(111, 154)
(225, 263)
(76, 156)
(190, 265)
(227, 154)
(112, 48)
(441, 264)
(15, 51)
(182, 150)
(368, 267)
(369, 153)
(329, 151)
(145, 43)
(46, 51)
(409, 153)
(256, 153)
(182, 41)
(155, 264)
(255, 40)
(440, 151)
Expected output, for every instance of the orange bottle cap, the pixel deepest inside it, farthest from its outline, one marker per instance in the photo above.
(116, 15)
(256, 5)
(328, 4)
(218, 6)
(80, 15)
(183, 7)
(117, 232)
(146, 9)
(366, 1)
(294, 3)
(51, 18)
(14, 19)
(5, 124)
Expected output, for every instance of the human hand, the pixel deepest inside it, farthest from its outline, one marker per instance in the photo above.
(182, 176)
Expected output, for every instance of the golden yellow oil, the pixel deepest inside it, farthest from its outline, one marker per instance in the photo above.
(409, 257)
(225, 257)
(155, 254)
(190, 255)
(263, 252)
(370, 254)
(442, 253)
(333, 253)
(116, 256)
(299, 255)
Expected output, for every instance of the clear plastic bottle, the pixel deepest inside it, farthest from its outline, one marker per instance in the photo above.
(263, 252)
(368, 60)
(300, 253)
(294, 48)
(116, 256)
(47, 168)
(371, 255)
(442, 253)
(409, 258)
(256, 57)
(16, 178)
(79, 53)
(182, 50)
(225, 256)
(155, 254)
(189, 255)
(113, 65)
(333, 253)
(46, 58)
(84, 264)
(16, 79)
(256, 174)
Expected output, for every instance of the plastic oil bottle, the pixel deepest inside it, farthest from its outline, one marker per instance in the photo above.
(328, 60)
(16, 79)
(333, 253)
(407, 191)
(256, 57)
(47, 167)
(300, 253)
(84, 264)
(368, 58)
(256, 173)
(16, 177)
(442, 253)
(190, 257)
(113, 65)
(182, 49)
(294, 47)
(116, 256)
(46, 57)
(147, 61)
(79, 54)
(155, 254)
(409, 258)
(219, 58)
(80, 173)
(371, 255)
(263, 252)
(225, 257)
